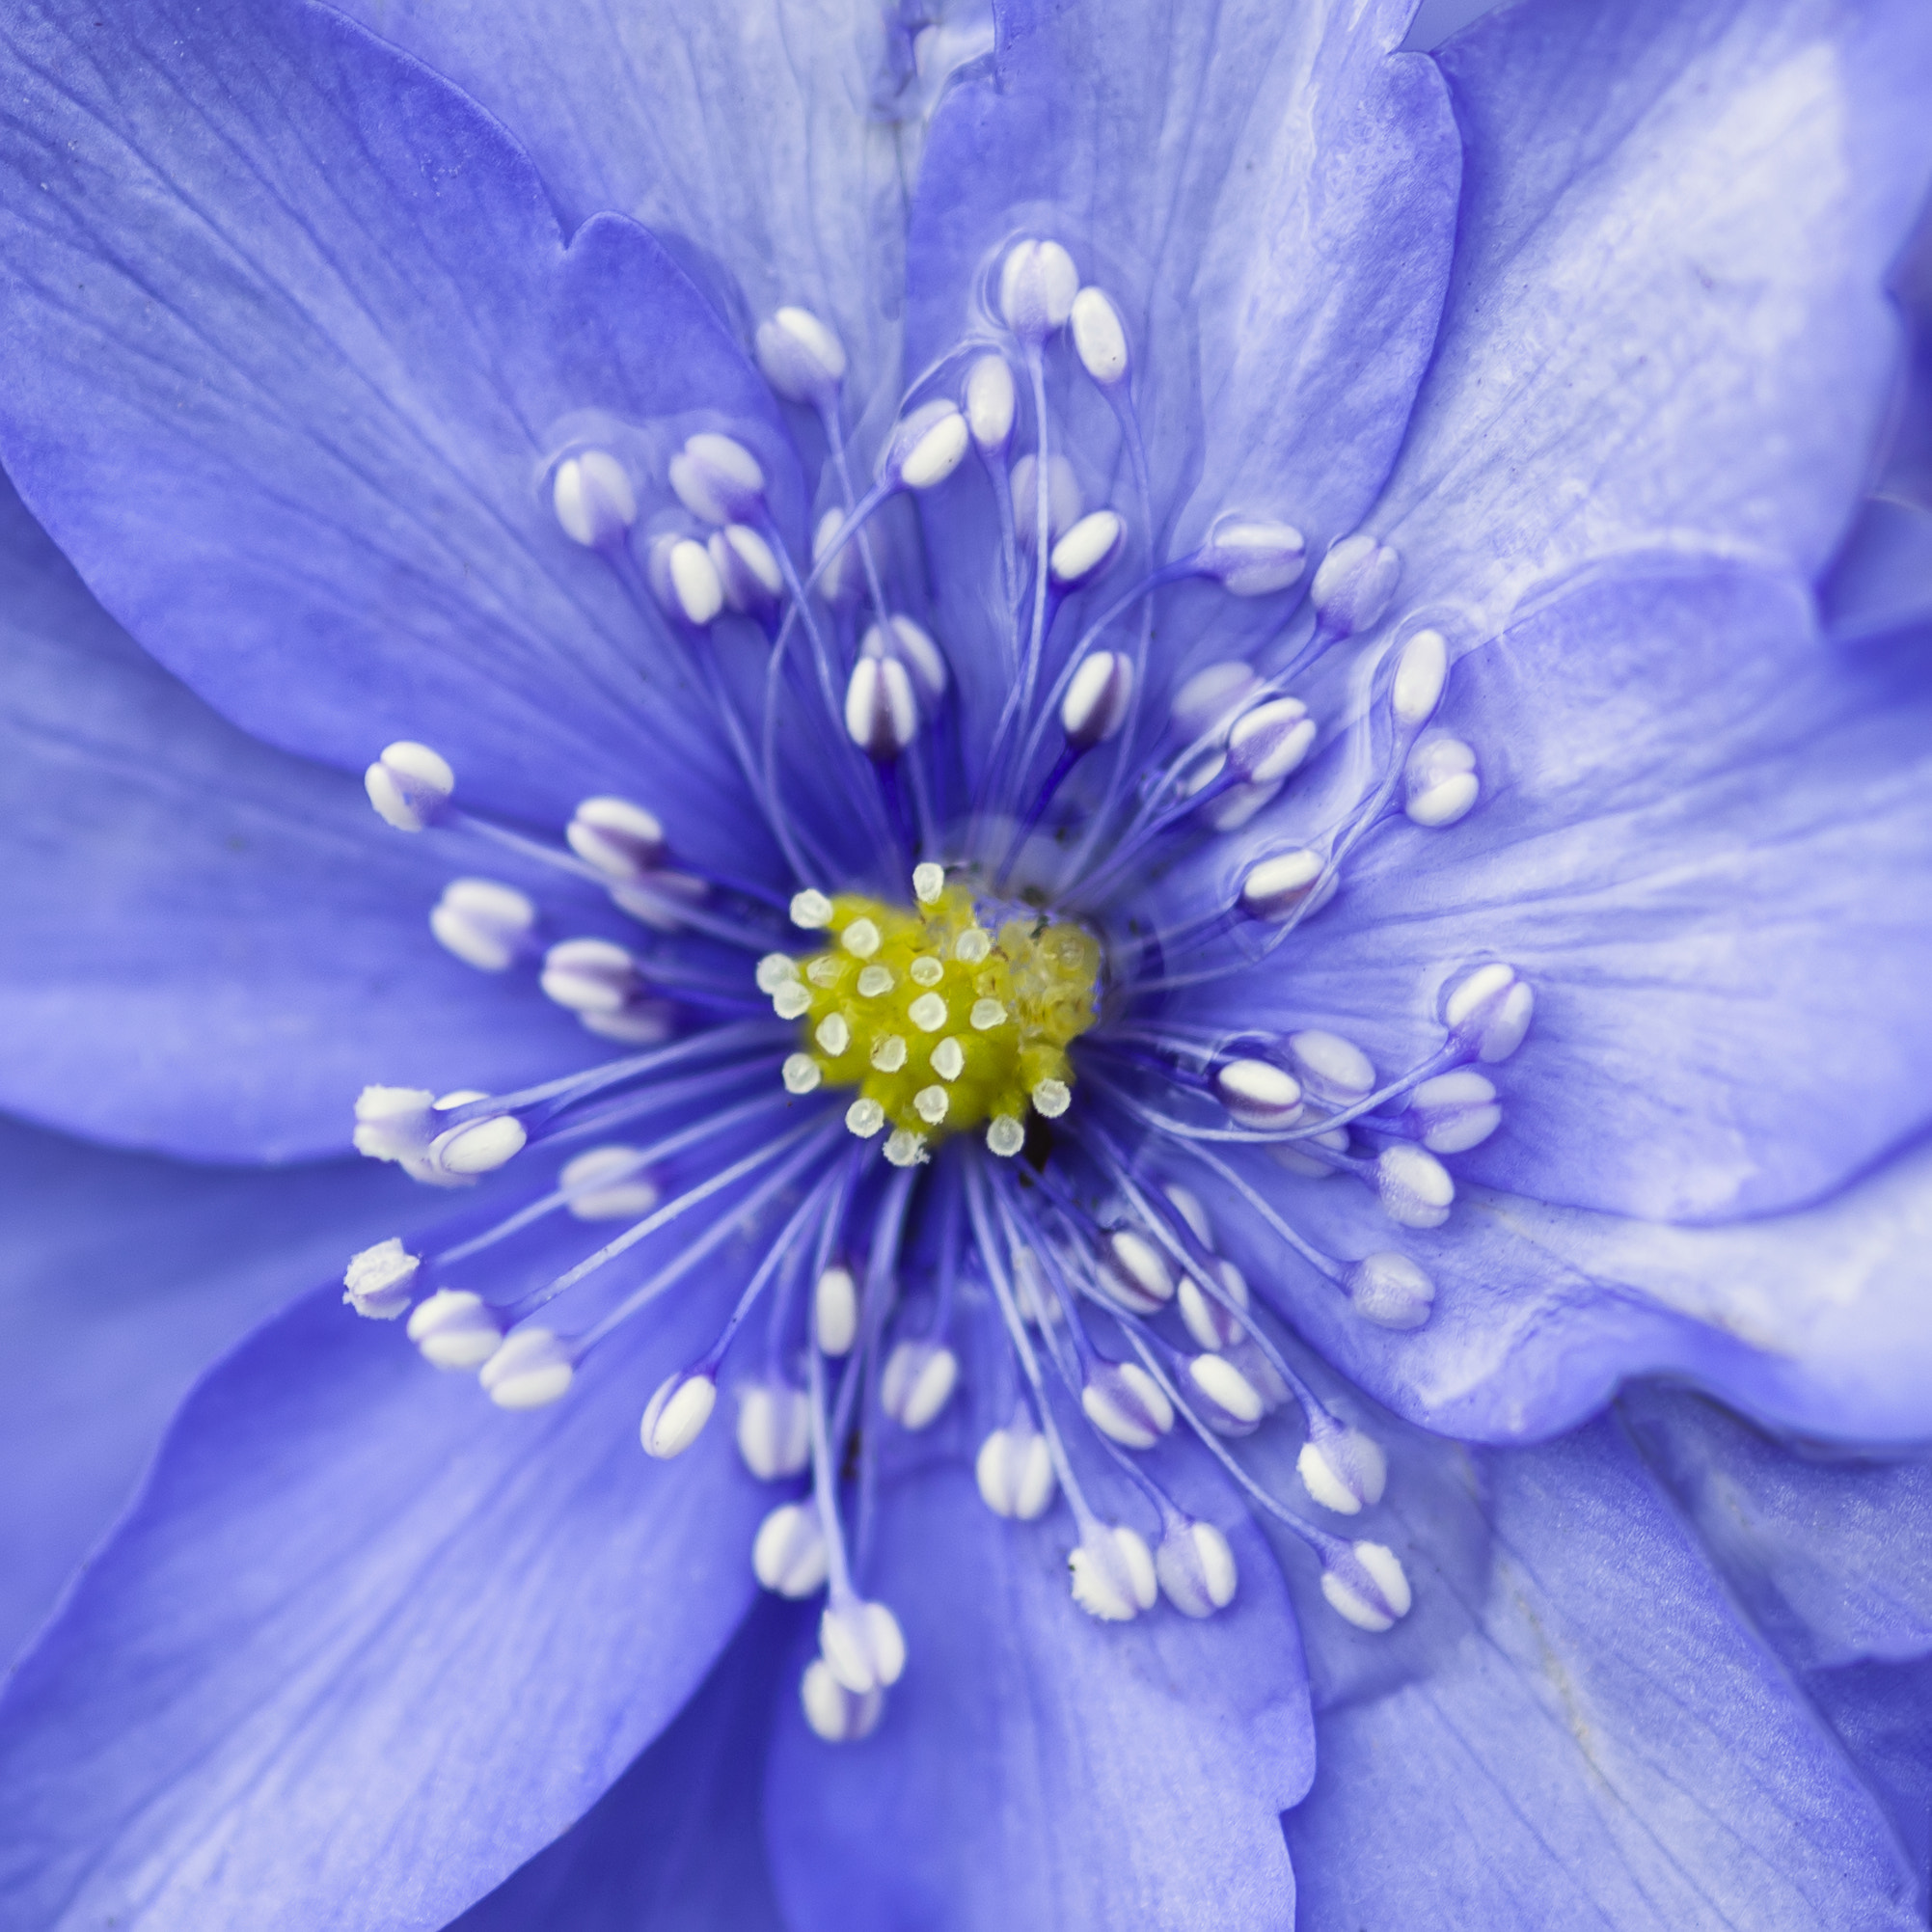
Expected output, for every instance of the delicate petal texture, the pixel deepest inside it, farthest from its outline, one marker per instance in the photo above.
(1668, 316)
(639, 108)
(211, 947)
(1713, 864)
(293, 433)
(366, 1644)
(120, 1278)
(1882, 579)
(677, 1845)
(1607, 1745)
(1037, 1768)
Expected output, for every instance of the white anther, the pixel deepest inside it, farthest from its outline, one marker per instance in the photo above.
(947, 1059)
(888, 1054)
(1051, 1099)
(1332, 1069)
(835, 1309)
(864, 1118)
(1196, 1568)
(1099, 340)
(1005, 1136)
(1096, 704)
(841, 583)
(409, 785)
(812, 909)
(801, 359)
(800, 1074)
(455, 1330)
(1456, 1112)
(530, 1369)
(1353, 585)
(1212, 696)
(1064, 503)
(1252, 559)
(1414, 1186)
(972, 947)
(656, 900)
(718, 478)
(929, 882)
(1210, 1320)
(379, 1280)
(685, 581)
(987, 1014)
(1389, 1289)
(1421, 672)
(607, 1184)
(931, 1105)
(774, 1429)
(1227, 1388)
(792, 1000)
(1258, 1094)
(1490, 1011)
(927, 447)
(1038, 1305)
(906, 1149)
(881, 712)
(874, 982)
(1344, 1470)
(1239, 802)
(833, 1034)
(591, 976)
(396, 1124)
(1368, 1586)
(622, 840)
(776, 969)
(989, 402)
(862, 1645)
(1274, 888)
(1133, 1272)
(479, 1146)
(1038, 283)
(1188, 1204)
(1439, 782)
(1015, 1473)
(831, 1710)
(790, 1555)
(929, 1012)
(675, 1416)
(1124, 1402)
(484, 924)
(593, 498)
(917, 1382)
(748, 572)
(926, 971)
(913, 647)
(643, 1024)
(1112, 1573)
(1088, 548)
(1269, 741)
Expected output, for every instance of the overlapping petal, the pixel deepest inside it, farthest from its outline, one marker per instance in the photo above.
(285, 381)
(211, 947)
(1038, 1768)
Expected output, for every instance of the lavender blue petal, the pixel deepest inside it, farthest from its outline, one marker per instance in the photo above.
(1881, 580)
(1667, 318)
(1607, 1745)
(366, 1644)
(1034, 1767)
(294, 436)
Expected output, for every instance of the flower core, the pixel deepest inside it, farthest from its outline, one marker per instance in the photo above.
(945, 1016)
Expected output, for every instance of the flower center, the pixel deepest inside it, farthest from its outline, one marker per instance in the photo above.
(946, 1015)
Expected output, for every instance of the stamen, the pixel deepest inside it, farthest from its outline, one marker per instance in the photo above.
(594, 500)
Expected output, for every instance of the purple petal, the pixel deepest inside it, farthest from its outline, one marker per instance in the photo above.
(121, 1276)
(366, 1644)
(211, 947)
(294, 436)
(1668, 317)
(1606, 1743)
(1882, 579)
(1036, 1768)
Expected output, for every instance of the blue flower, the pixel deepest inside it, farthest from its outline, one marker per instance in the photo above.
(1122, 851)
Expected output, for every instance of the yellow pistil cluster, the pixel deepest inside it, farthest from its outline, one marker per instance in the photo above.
(942, 1023)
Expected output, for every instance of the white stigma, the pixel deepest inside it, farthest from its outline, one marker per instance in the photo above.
(593, 498)
(409, 785)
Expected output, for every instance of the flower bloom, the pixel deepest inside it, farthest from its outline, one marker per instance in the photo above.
(1110, 835)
